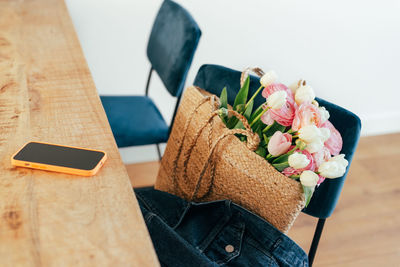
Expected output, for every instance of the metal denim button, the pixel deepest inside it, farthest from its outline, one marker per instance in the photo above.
(229, 248)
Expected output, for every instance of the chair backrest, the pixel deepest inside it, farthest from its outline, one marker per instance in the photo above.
(214, 78)
(172, 44)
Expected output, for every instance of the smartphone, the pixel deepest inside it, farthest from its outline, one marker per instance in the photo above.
(59, 158)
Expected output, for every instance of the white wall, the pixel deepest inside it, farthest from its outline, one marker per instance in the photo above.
(349, 51)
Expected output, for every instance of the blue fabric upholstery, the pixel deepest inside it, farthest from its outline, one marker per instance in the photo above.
(135, 120)
(214, 78)
(171, 47)
(172, 44)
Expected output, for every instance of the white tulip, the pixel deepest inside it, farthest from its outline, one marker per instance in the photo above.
(268, 78)
(298, 161)
(340, 160)
(309, 178)
(310, 133)
(294, 86)
(277, 100)
(315, 146)
(304, 94)
(325, 134)
(324, 114)
(333, 168)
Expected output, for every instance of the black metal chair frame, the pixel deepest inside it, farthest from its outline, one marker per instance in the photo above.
(315, 241)
(175, 109)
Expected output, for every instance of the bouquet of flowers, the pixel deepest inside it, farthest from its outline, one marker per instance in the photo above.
(296, 135)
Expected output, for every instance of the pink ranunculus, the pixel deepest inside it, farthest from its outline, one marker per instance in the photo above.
(284, 115)
(289, 171)
(311, 166)
(320, 156)
(266, 118)
(279, 143)
(274, 87)
(335, 142)
(306, 114)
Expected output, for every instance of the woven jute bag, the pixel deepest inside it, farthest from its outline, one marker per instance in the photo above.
(205, 161)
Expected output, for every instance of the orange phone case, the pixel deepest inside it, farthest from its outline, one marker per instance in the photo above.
(54, 168)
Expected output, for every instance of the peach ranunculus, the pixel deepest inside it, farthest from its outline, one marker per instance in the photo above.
(306, 114)
(335, 142)
(279, 143)
(322, 155)
(284, 115)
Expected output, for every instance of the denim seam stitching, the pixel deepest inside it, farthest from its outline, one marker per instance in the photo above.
(218, 228)
(237, 252)
(185, 210)
(257, 246)
(151, 208)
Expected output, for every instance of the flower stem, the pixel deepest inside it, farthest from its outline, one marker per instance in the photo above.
(259, 116)
(254, 96)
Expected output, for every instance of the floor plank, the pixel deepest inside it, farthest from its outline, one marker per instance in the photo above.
(364, 230)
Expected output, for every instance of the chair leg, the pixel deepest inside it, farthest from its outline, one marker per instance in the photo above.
(315, 241)
(178, 100)
(148, 81)
(159, 151)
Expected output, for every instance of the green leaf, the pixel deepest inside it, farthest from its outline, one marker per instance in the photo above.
(282, 158)
(271, 129)
(224, 98)
(308, 193)
(261, 151)
(231, 122)
(257, 127)
(280, 166)
(246, 114)
(241, 97)
(266, 139)
(249, 109)
(256, 113)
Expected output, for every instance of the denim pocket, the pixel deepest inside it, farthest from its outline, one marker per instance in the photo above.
(226, 244)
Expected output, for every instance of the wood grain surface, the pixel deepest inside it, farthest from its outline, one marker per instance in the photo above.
(364, 229)
(47, 94)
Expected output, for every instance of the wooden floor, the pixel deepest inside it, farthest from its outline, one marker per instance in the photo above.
(364, 230)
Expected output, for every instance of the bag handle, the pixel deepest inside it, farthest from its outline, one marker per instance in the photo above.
(252, 143)
(258, 71)
(214, 105)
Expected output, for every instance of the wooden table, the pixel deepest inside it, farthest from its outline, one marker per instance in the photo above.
(47, 94)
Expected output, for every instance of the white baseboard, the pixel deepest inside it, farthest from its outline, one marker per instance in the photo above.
(378, 124)
(136, 154)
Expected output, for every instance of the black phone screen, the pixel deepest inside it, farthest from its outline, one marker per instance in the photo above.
(60, 156)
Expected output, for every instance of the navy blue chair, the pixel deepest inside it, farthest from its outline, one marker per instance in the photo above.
(213, 78)
(135, 120)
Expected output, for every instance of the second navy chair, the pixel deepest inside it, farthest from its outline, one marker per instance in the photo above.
(135, 120)
(213, 78)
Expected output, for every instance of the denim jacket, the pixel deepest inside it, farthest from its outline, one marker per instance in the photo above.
(218, 233)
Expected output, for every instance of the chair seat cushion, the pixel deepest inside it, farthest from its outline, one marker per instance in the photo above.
(135, 120)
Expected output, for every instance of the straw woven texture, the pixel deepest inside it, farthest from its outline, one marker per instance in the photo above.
(204, 161)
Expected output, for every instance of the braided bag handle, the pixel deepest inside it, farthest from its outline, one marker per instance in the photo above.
(253, 141)
(258, 71)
